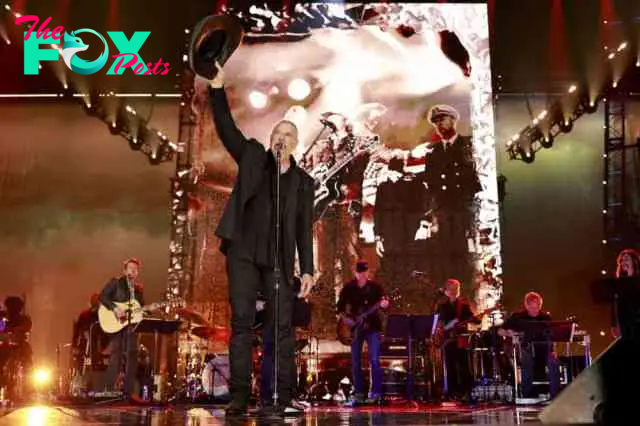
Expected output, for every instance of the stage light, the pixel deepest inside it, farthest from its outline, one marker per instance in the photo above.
(134, 143)
(528, 156)
(547, 141)
(258, 100)
(115, 128)
(589, 106)
(622, 46)
(41, 377)
(572, 88)
(7, 7)
(566, 125)
(611, 56)
(299, 89)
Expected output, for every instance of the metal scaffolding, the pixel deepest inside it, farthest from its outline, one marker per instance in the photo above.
(621, 219)
(182, 247)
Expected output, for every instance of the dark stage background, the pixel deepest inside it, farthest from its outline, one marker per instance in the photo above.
(75, 201)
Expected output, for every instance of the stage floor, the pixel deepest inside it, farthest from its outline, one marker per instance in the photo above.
(210, 415)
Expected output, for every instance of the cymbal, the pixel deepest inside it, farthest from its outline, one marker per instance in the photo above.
(211, 333)
(189, 315)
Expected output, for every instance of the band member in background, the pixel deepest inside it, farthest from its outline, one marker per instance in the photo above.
(355, 298)
(246, 229)
(88, 338)
(533, 356)
(16, 327)
(123, 289)
(454, 314)
(625, 305)
(452, 182)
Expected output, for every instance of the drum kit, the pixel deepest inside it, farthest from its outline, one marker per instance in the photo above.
(204, 366)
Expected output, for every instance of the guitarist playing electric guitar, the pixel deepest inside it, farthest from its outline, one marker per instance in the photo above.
(455, 312)
(118, 290)
(356, 297)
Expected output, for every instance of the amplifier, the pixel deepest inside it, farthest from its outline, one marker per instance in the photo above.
(394, 348)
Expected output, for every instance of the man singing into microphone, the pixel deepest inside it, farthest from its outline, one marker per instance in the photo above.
(247, 231)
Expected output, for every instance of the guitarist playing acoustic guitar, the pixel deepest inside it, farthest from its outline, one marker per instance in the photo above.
(118, 290)
(359, 296)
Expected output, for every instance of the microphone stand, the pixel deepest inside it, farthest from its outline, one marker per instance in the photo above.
(276, 282)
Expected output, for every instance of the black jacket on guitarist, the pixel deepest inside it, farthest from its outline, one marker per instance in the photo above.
(117, 290)
(354, 300)
(460, 310)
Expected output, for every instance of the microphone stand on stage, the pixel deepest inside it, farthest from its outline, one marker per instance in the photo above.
(276, 280)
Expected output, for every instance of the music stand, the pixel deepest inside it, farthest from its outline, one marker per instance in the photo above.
(548, 331)
(157, 326)
(419, 327)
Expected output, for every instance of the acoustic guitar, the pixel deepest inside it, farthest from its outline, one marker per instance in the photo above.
(110, 323)
(349, 325)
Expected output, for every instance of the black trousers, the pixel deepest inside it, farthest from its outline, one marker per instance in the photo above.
(123, 341)
(459, 380)
(245, 280)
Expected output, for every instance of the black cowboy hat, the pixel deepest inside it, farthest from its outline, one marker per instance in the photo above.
(214, 38)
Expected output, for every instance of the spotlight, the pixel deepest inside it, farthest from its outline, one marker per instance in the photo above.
(528, 156)
(566, 125)
(115, 128)
(299, 89)
(155, 158)
(135, 143)
(41, 377)
(546, 141)
(91, 106)
(590, 106)
(258, 100)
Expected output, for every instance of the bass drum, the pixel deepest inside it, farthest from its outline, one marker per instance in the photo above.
(215, 376)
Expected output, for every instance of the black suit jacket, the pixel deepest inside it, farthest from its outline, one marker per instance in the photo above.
(451, 175)
(117, 290)
(251, 157)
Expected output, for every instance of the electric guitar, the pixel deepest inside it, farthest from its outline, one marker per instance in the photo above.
(110, 323)
(448, 332)
(327, 185)
(349, 325)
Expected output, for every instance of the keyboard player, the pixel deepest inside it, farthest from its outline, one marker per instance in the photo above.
(534, 356)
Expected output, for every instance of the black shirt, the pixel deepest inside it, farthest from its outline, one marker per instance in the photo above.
(355, 300)
(518, 322)
(254, 237)
(460, 310)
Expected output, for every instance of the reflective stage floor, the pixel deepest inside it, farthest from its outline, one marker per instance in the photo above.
(210, 415)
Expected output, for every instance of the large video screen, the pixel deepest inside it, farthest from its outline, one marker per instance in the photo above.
(394, 108)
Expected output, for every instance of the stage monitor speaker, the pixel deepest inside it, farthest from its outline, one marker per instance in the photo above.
(604, 393)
